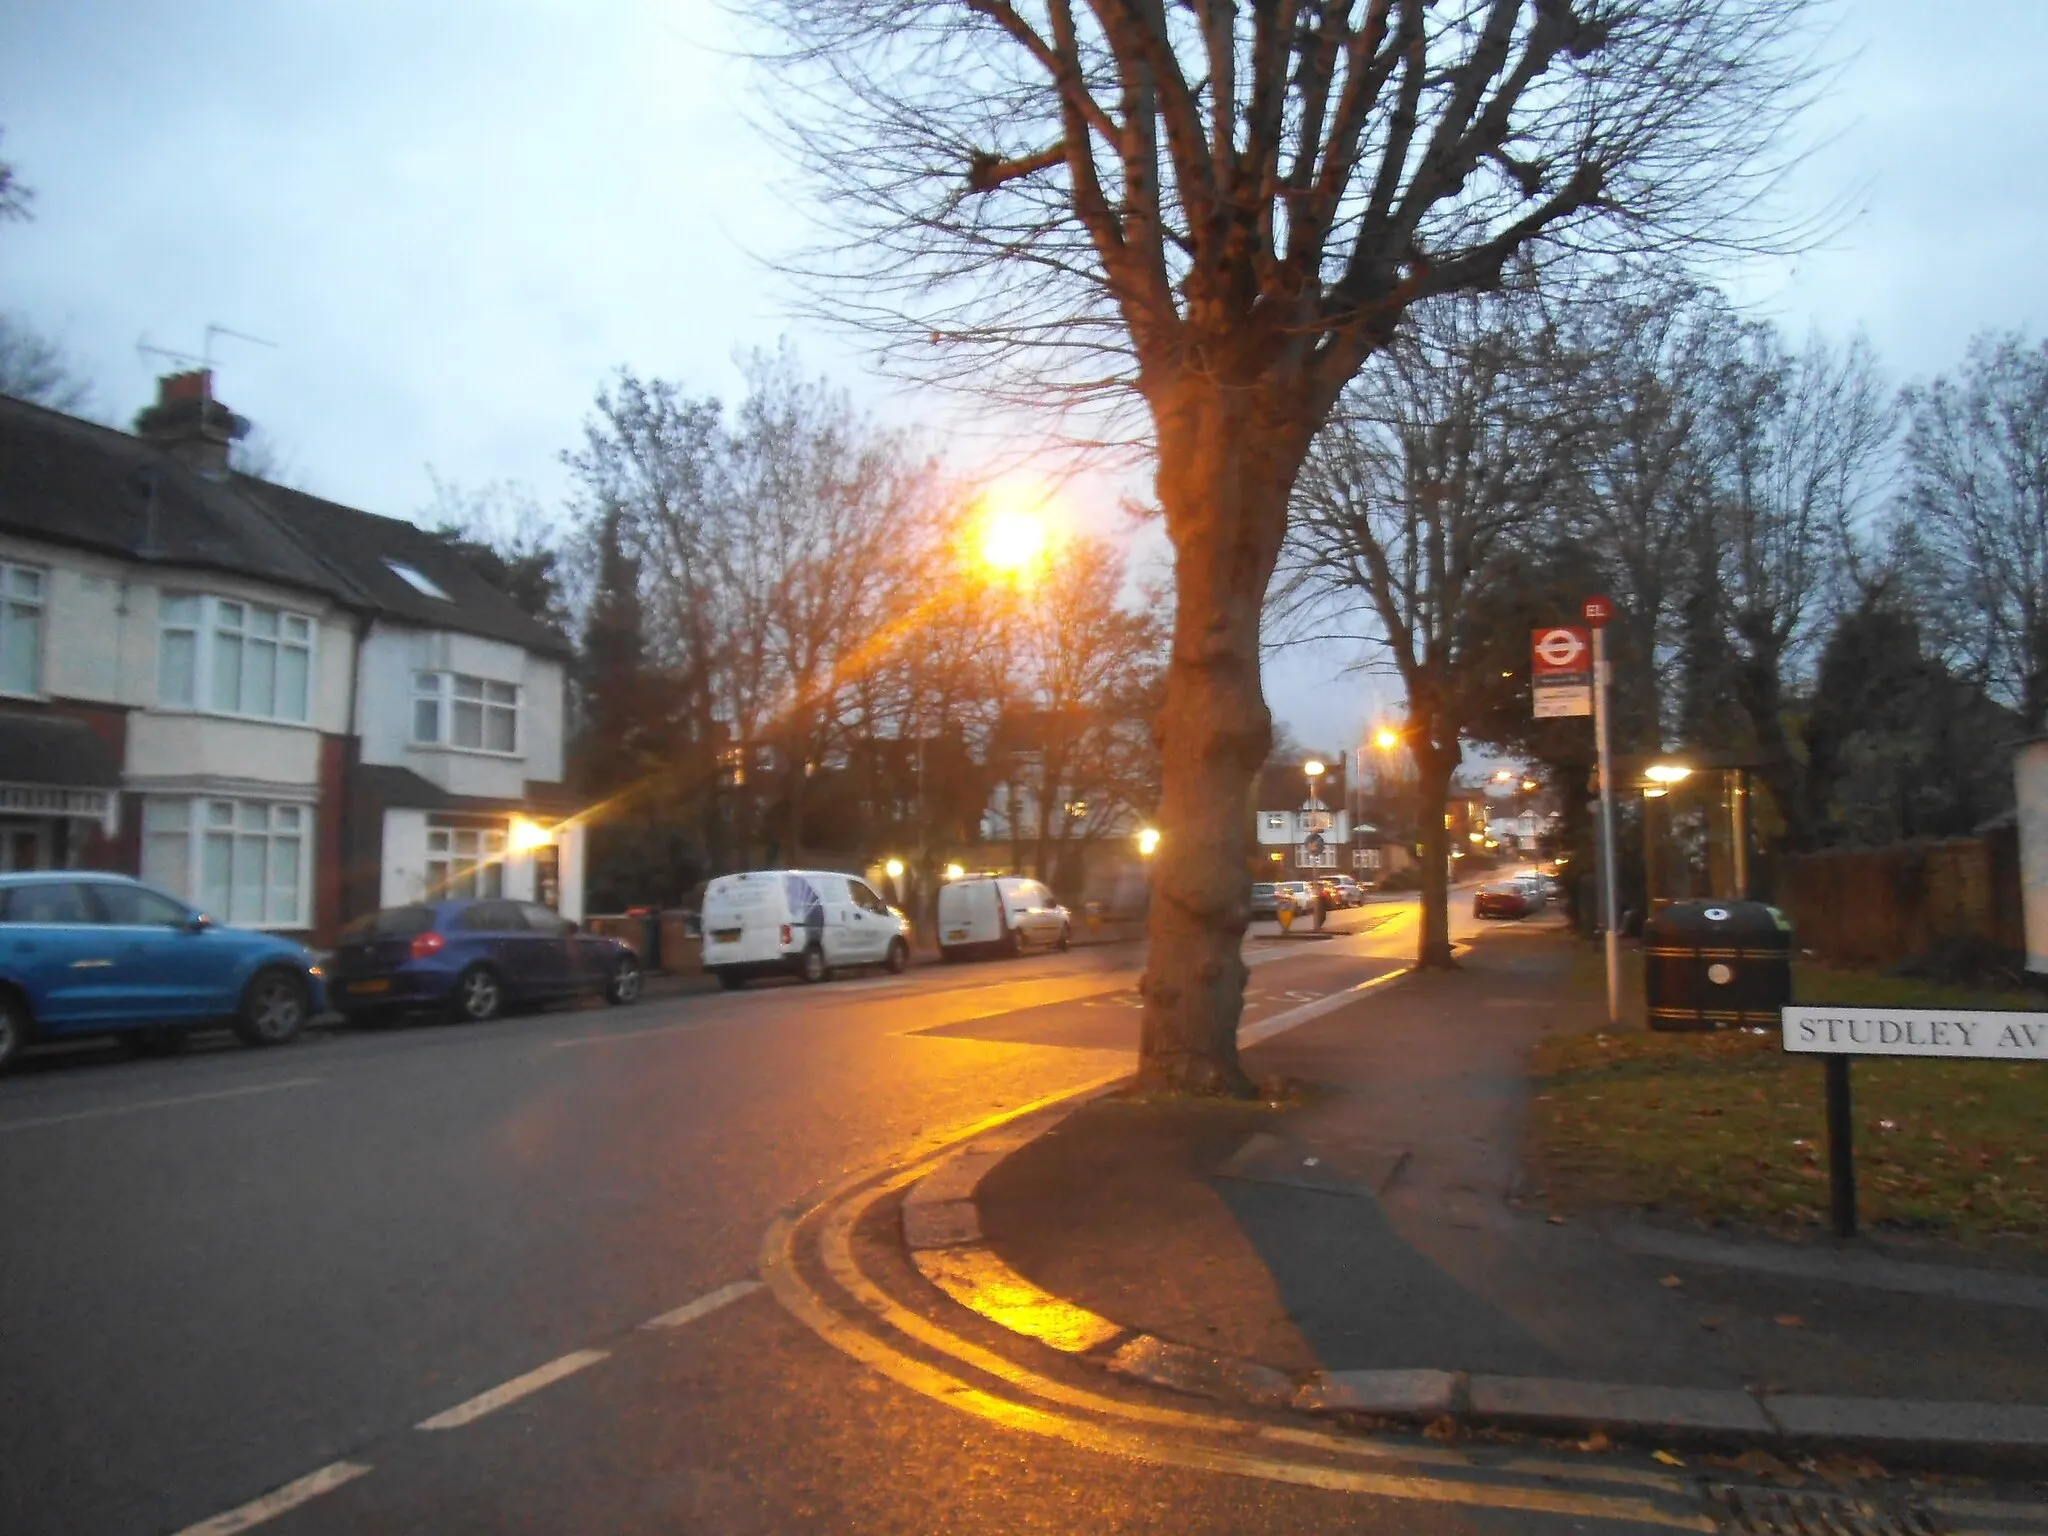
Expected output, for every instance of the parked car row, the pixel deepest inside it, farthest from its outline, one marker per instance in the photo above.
(90, 954)
(1523, 895)
(1299, 896)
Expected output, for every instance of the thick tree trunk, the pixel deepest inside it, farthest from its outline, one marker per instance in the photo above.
(1225, 471)
(1434, 766)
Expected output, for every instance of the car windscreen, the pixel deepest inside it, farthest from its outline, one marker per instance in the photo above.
(391, 923)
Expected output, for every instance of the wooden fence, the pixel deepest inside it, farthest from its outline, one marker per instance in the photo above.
(1877, 906)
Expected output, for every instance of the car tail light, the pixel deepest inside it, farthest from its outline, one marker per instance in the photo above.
(428, 943)
(788, 933)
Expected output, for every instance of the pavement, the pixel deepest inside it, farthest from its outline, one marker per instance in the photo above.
(1365, 1242)
(642, 1269)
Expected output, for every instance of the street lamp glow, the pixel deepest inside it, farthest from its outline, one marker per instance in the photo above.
(1148, 842)
(1529, 784)
(894, 869)
(954, 871)
(1386, 741)
(1314, 768)
(526, 835)
(1666, 773)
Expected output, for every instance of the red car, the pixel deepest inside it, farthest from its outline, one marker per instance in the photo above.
(1503, 900)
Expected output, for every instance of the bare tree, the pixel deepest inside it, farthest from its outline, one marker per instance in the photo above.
(1977, 466)
(34, 368)
(14, 197)
(1797, 438)
(1410, 516)
(1218, 213)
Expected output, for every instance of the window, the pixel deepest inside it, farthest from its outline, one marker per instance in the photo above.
(544, 919)
(390, 923)
(491, 917)
(452, 709)
(239, 861)
(55, 901)
(21, 629)
(132, 906)
(234, 658)
(465, 861)
(417, 579)
(864, 897)
(1276, 818)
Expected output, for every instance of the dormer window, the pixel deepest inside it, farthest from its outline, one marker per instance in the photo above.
(417, 579)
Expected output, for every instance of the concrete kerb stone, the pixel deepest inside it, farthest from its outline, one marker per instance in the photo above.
(942, 1231)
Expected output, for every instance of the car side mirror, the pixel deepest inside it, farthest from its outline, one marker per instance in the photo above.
(198, 922)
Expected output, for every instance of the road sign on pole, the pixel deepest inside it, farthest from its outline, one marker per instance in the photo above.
(1560, 672)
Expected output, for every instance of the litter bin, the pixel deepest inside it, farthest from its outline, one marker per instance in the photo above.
(1712, 964)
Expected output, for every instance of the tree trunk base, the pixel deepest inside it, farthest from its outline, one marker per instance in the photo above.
(1195, 1077)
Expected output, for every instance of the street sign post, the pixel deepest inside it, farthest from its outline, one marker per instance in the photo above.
(1597, 611)
(1836, 1034)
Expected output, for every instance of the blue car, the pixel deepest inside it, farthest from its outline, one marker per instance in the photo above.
(474, 960)
(85, 953)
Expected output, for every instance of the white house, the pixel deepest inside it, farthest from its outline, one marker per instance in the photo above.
(283, 710)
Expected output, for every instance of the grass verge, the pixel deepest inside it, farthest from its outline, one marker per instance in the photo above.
(1727, 1126)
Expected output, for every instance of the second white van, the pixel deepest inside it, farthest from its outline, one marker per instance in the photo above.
(798, 922)
(1000, 913)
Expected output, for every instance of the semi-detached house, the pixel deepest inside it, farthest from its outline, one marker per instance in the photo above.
(286, 711)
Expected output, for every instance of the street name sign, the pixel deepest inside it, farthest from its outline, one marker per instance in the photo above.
(1990, 1034)
(1561, 671)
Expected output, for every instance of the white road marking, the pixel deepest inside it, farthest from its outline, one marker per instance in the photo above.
(279, 1500)
(1279, 1023)
(512, 1391)
(704, 1305)
(109, 1110)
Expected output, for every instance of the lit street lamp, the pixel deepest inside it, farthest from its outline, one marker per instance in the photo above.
(1148, 842)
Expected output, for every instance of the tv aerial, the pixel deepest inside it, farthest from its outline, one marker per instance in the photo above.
(144, 348)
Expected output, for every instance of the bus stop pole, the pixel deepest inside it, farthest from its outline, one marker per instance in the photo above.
(1610, 902)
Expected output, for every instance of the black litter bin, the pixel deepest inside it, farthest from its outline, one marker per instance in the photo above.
(1713, 964)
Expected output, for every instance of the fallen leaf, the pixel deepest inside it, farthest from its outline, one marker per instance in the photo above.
(1711, 1323)
(1671, 1282)
(1596, 1441)
(1443, 1427)
(1789, 1320)
(1557, 1221)
(1667, 1458)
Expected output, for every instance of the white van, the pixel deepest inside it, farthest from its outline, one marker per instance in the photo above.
(797, 922)
(999, 912)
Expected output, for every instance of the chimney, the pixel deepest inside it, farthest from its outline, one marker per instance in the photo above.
(190, 425)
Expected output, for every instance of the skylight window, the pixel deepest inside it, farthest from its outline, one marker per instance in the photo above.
(417, 579)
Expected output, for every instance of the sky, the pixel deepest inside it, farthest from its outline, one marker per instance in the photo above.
(452, 222)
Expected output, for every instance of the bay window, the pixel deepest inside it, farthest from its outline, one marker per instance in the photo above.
(246, 862)
(234, 658)
(453, 709)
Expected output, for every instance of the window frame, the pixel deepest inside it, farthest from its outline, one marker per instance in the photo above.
(463, 877)
(40, 605)
(284, 821)
(443, 691)
(209, 629)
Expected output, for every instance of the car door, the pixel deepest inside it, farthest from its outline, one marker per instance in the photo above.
(872, 925)
(497, 932)
(841, 939)
(53, 945)
(169, 967)
(573, 968)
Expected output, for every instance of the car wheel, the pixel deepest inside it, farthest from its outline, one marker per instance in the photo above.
(1066, 939)
(14, 1030)
(899, 957)
(812, 967)
(731, 977)
(479, 995)
(274, 1009)
(625, 983)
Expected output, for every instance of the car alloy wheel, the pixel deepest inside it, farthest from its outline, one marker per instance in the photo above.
(13, 1031)
(274, 1010)
(812, 966)
(899, 957)
(626, 981)
(479, 995)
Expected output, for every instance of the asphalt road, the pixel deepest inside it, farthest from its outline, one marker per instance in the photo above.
(344, 1262)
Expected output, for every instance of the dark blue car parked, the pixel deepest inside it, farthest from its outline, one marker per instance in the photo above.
(474, 959)
(85, 953)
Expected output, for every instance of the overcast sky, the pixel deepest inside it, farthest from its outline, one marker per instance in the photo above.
(454, 220)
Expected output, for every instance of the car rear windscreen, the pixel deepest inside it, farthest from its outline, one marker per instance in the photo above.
(391, 923)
